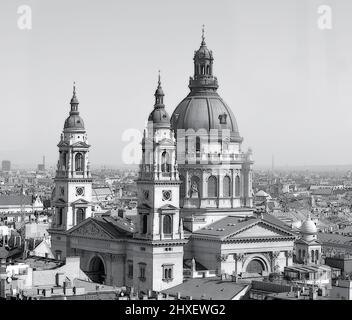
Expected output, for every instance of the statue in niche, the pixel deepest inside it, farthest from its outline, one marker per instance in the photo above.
(194, 190)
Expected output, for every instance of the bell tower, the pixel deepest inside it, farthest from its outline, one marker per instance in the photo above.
(73, 182)
(159, 240)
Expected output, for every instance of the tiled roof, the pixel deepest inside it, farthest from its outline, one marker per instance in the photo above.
(232, 224)
(116, 226)
(13, 200)
(334, 238)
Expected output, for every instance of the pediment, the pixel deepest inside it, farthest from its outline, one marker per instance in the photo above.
(80, 144)
(89, 228)
(144, 207)
(62, 144)
(60, 201)
(80, 201)
(166, 141)
(259, 230)
(168, 207)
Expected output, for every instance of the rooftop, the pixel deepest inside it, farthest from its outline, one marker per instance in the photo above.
(207, 288)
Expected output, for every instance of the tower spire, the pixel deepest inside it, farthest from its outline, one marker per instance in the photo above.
(74, 101)
(203, 37)
(159, 93)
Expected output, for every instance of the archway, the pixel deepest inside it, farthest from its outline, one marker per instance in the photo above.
(97, 270)
(255, 266)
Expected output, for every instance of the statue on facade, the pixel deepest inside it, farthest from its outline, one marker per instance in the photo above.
(194, 190)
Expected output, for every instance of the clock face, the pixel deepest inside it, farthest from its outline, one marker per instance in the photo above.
(167, 195)
(79, 191)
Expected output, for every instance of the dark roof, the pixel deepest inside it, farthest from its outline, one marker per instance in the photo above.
(116, 226)
(207, 288)
(233, 224)
(203, 112)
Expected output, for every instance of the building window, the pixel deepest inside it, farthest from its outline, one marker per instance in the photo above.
(312, 255)
(237, 186)
(167, 224)
(316, 256)
(227, 186)
(80, 215)
(197, 144)
(299, 255)
(212, 187)
(58, 254)
(59, 216)
(165, 162)
(145, 224)
(130, 269)
(79, 162)
(167, 272)
(142, 267)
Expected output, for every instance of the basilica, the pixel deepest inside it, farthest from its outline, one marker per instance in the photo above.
(195, 206)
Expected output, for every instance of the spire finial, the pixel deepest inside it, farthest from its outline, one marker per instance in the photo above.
(203, 37)
(74, 101)
(159, 82)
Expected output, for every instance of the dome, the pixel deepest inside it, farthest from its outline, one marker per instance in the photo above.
(203, 53)
(203, 108)
(74, 121)
(159, 116)
(309, 227)
(204, 112)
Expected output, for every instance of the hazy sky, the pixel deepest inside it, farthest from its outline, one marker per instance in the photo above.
(288, 83)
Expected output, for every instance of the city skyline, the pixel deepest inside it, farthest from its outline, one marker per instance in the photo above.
(279, 73)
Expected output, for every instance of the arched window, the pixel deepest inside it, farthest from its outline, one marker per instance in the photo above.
(197, 144)
(79, 162)
(304, 254)
(145, 224)
(208, 69)
(165, 162)
(64, 160)
(227, 187)
(299, 254)
(237, 186)
(312, 255)
(212, 187)
(80, 215)
(167, 224)
(316, 255)
(60, 216)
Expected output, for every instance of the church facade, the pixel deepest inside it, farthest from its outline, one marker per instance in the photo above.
(194, 199)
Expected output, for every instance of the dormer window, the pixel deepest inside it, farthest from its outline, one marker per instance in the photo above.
(222, 118)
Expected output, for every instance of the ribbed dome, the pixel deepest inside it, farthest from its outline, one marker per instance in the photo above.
(159, 116)
(203, 53)
(204, 112)
(308, 227)
(74, 121)
(203, 108)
